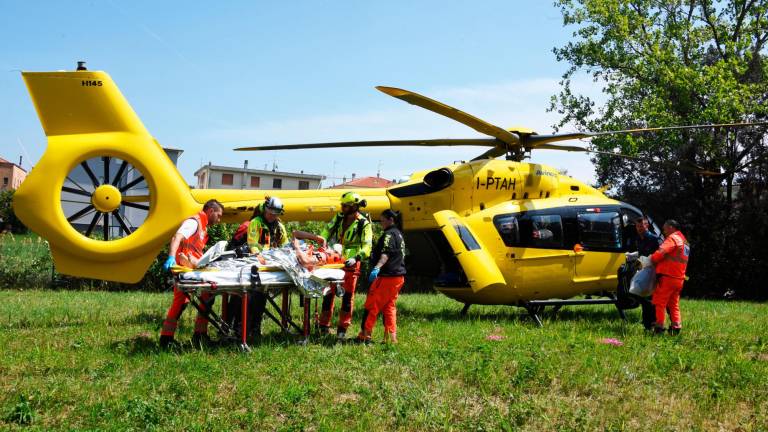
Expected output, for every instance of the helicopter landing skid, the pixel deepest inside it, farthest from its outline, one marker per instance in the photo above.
(536, 307)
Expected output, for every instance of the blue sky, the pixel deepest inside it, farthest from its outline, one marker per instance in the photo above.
(207, 77)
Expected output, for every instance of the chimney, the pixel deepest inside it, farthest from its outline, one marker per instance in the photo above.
(353, 176)
(245, 174)
(20, 159)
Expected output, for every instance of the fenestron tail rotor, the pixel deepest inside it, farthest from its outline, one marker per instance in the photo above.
(515, 144)
(105, 198)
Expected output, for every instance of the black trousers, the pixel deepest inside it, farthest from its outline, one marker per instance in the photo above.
(257, 303)
(625, 274)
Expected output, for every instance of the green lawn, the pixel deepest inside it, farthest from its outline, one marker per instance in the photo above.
(88, 360)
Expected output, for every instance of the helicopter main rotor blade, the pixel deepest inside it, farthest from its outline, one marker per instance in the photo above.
(535, 141)
(505, 136)
(492, 153)
(481, 142)
(689, 167)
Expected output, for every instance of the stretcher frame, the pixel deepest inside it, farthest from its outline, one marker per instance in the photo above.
(195, 290)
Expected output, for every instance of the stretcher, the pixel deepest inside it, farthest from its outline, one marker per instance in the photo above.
(276, 274)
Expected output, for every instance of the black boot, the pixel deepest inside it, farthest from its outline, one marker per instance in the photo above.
(168, 342)
(202, 340)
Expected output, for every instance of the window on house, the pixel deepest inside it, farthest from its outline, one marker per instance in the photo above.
(303, 184)
(227, 179)
(255, 181)
(277, 183)
(5, 181)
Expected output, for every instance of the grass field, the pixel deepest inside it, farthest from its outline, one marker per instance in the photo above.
(88, 360)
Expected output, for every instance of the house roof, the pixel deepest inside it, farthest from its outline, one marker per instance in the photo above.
(365, 182)
(5, 162)
(258, 172)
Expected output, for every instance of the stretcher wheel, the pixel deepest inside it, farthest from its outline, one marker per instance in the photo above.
(107, 197)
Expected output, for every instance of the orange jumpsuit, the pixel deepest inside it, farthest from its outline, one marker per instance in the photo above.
(193, 247)
(382, 296)
(356, 242)
(351, 274)
(671, 261)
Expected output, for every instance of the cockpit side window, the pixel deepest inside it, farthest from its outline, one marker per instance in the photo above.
(508, 229)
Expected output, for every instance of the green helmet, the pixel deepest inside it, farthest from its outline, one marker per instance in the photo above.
(351, 198)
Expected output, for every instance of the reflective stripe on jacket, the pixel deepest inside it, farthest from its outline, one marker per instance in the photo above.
(356, 241)
(260, 237)
(672, 257)
(193, 246)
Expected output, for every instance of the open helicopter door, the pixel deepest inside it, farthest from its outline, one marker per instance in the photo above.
(479, 266)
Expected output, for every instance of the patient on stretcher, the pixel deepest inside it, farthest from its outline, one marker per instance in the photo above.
(298, 263)
(309, 257)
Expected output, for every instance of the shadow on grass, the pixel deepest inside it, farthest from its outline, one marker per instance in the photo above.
(601, 314)
(146, 344)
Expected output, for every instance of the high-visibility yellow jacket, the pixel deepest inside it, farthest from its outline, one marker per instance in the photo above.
(356, 241)
(261, 237)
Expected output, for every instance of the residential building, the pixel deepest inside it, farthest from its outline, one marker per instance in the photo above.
(11, 174)
(364, 182)
(222, 177)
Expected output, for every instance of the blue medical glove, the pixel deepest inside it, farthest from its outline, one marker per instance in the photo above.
(170, 262)
(374, 273)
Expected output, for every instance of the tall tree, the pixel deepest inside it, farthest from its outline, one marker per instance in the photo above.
(676, 62)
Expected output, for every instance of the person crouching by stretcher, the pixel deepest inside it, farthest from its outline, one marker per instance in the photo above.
(352, 230)
(186, 248)
(262, 232)
(387, 278)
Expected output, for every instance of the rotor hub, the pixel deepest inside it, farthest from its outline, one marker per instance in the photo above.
(106, 198)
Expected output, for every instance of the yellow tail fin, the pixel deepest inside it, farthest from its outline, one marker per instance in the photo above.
(85, 116)
(80, 103)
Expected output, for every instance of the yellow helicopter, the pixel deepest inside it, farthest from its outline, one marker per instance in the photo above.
(501, 232)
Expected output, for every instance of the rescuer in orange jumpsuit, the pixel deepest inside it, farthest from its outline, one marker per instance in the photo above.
(671, 260)
(187, 246)
(387, 277)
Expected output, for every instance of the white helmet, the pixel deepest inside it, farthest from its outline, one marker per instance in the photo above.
(274, 205)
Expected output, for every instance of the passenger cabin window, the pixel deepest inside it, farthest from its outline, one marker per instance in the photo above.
(600, 230)
(470, 243)
(541, 231)
(507, 227)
